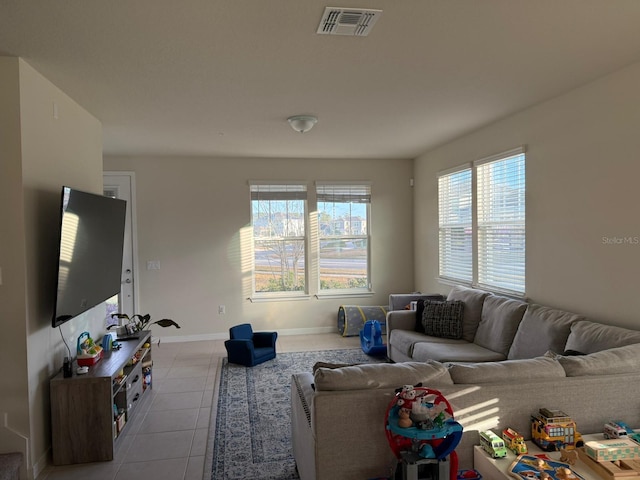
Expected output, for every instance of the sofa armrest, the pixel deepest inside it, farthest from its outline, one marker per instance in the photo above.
(401, 320)
(398, 301)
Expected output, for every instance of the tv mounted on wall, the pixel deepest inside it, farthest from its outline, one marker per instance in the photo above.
(90, 246)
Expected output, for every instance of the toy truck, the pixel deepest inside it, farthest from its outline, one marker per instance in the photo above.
(615, 430)
(492, 444)
(553, 429)
(632, 434)
(514, 441)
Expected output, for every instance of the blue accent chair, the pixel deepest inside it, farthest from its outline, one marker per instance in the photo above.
(249, 348)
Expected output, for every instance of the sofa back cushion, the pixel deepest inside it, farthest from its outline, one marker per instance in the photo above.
(590, 337)
(473, 300)
(509, 371)
(499, 322)
(381, 375)
(542, 329)
(606, 362)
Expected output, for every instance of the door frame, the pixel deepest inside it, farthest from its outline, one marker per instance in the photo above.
(134, 230)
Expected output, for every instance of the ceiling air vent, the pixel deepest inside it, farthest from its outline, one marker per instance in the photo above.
(348, 21)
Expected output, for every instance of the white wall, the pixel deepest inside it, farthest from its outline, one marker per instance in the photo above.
(582, 187)
(13, 341)
(194, 216)
(52, 152)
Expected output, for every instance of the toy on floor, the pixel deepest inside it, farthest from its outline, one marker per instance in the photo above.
(428, 437)
(371, 338)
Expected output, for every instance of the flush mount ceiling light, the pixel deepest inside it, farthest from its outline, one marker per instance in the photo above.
(302, 123)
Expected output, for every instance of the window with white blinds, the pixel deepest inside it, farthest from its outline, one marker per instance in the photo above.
(344, 237)
(455, 226)
(481, 213)
(500, 197)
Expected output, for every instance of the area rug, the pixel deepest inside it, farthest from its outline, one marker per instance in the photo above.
(252, 431)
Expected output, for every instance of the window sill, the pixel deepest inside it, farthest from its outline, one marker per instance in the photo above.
(330, 295)
(278, 298)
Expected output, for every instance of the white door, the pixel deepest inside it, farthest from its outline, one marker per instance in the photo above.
(122, 185)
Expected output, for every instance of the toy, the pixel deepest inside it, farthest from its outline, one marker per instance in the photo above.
(492, 444)
(405, 397)
(469, 475)
(614, 430)
(554, 429)
(418, 446)
(568, 456)
(514, 441)
(404, 420)
(371, 339)
(633, 435)
(530, 467)
(88, 352)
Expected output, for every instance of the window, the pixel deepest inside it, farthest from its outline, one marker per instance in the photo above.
(455, 226)
(481, 210)
(278, 214)
(344, 236)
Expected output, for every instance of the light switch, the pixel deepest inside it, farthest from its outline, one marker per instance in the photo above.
(153, 265)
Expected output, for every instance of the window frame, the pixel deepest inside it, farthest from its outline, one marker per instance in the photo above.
(302, 194)
(362, 194)
(479, 227)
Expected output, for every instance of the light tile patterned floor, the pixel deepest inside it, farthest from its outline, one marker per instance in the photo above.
(167, 439)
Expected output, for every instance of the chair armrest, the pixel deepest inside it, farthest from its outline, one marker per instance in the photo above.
(265, 339)
(239, 344)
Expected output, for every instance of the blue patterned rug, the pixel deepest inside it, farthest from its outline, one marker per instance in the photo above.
(252, 436)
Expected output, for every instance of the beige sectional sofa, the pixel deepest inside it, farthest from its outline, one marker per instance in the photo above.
(500, 374)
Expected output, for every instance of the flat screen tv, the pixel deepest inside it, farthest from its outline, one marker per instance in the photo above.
(90, 245)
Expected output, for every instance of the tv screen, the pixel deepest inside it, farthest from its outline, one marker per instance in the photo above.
(90, 248)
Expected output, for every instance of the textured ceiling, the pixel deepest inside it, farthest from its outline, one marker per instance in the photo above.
(220, 77)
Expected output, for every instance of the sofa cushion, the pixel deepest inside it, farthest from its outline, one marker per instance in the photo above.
(473, 300)
(443, 319)
(507, 371)
(542, 329)
(590, 337)
(404, 340)
(499, 322)
(381, 375)
(449, 352)
(606, 362)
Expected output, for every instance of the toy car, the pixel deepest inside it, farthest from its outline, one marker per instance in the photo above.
(553, 429)
(514, 441)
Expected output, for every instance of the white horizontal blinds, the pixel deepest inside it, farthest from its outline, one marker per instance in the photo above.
(455, 208)
(278, 192)
(501, 223)
(344, 193)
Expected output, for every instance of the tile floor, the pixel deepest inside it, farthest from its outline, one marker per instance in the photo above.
(167, 439)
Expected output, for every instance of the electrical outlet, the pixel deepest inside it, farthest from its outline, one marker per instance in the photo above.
(222, 309)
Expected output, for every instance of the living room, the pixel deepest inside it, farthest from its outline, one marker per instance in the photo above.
(193, 213)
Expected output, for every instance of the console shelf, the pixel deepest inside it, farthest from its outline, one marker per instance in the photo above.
(83, 425)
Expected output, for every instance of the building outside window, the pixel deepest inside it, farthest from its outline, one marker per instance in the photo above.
(344, 237)
(278, 217)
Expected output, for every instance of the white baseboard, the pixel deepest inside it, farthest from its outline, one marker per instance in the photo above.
(225, 336)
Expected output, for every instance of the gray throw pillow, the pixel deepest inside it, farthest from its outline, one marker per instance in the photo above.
(443, 319)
